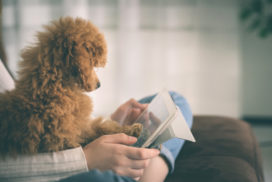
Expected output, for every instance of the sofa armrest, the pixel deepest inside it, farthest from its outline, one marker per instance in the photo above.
(226, 150)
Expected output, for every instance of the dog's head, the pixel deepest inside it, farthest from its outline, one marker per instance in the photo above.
(69, 50)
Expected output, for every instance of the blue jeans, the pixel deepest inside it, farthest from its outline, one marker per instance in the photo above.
(169, 151)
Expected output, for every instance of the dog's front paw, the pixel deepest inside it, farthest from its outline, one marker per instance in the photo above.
(136, 129)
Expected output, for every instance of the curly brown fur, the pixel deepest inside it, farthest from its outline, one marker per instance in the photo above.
(48, 111)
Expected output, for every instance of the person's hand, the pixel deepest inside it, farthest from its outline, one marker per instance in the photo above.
(110, 152)
(128, 112)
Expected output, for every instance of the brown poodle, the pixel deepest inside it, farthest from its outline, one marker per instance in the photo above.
(48, 110)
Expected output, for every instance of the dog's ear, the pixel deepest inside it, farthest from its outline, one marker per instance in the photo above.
(97, 51)
(82, 69)
(83, 58)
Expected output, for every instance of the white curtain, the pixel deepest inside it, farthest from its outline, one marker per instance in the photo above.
(189, 46)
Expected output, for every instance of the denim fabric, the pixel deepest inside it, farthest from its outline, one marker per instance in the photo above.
(171, 148)
(98, 176)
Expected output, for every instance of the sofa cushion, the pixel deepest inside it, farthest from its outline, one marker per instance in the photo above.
(226, 150)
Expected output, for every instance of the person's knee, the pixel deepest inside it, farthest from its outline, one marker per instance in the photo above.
(183, 105)
(177, 96)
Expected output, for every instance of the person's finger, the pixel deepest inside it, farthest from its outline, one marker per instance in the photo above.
(133, 115)
(135, 112)
(124, 161)
(120, 114)
(141, 153)
(119, 138)
(135, 103)
(146, 119)
(139, 164)
(146, 115)
(133, 173)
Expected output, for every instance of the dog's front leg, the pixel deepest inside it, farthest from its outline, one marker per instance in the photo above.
(112, 127)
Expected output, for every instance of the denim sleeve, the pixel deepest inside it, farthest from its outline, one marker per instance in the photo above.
(171, 148)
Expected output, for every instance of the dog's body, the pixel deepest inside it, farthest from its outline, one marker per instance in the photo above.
(48, 111)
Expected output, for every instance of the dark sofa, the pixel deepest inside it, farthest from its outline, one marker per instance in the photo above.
(226, 151)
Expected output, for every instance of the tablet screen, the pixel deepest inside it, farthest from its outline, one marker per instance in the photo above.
(154, 116)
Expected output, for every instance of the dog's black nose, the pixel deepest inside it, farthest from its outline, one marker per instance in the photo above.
(98, 85)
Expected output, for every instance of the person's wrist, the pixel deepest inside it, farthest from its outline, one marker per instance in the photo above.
(87, 157)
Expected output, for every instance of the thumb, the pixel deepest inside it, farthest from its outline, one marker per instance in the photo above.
(119, 138)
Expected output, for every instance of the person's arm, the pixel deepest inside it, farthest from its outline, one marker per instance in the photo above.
(43, 166)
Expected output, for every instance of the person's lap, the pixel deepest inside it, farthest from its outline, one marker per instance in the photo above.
(169, 151)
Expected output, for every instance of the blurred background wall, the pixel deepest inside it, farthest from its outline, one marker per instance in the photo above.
(196, 47)
(257, 76)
